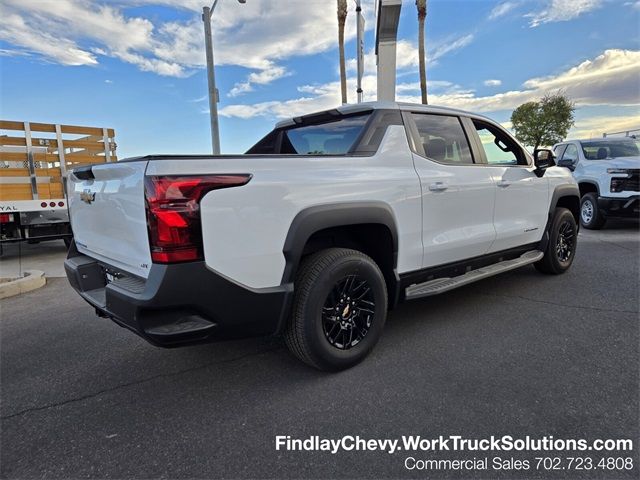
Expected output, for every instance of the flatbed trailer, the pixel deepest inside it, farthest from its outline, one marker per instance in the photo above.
(34, 161)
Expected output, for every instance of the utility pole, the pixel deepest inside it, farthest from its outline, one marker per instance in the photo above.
(360, 47)
(211, 77)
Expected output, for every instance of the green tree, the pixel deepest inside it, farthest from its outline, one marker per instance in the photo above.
(545, 122)
(342, 17)
(422, 15)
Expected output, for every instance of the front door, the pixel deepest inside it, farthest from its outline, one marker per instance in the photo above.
(520, 195)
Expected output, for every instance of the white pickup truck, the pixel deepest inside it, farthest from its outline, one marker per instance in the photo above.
(321, 227)
(608, 174)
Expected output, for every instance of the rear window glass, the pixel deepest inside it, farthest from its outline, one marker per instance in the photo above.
(331, 138)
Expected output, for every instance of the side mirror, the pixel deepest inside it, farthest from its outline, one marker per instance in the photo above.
(543, 158)
(567, 163)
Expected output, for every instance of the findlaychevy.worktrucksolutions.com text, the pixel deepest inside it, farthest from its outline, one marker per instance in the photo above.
(456, 443)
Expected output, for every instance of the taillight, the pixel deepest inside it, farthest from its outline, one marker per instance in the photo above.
(173, 213)
(6, 217)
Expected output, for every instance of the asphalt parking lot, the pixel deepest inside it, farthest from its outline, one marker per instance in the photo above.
(520, 354)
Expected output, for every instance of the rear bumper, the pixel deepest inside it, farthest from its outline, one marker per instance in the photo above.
(620, 207)
(36, 226)
(180, 304)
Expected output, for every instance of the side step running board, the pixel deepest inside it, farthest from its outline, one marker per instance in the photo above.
(441, 285)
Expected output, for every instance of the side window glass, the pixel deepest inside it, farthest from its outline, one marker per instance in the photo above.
(559, 150)
(571, 153)
(266, 146)
(499, 148)
(443, 138)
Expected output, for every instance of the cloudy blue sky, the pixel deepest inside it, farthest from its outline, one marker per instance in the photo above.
(138, 65)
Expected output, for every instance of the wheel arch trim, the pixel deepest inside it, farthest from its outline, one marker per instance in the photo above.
(561, 191)
(320, 217)
(588, 182)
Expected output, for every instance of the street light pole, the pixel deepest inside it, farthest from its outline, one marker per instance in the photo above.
(360, 48)
(211, 78)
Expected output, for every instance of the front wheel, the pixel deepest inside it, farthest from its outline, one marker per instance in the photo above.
(591, 216)
(339, 309)
(561, 249)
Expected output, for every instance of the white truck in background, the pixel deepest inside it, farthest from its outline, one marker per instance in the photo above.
(326, 223)
(608, 173)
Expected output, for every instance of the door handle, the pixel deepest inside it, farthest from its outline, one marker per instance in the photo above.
(438, 187)
(504, 183)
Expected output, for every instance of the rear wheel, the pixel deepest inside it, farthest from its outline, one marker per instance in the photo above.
(339, 309)
(561, 249)
(591, 216)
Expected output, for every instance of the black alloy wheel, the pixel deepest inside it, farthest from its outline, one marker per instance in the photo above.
(566, 242)
(563, 241)
(348, 312)
(339, 309)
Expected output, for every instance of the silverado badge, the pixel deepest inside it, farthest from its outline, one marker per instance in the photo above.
(87, 196)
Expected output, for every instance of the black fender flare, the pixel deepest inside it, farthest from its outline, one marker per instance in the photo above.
(561, 191)
(589, 182)
(567, 190)
(320, 217)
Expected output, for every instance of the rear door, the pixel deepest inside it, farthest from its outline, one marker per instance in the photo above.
(108, 217)
(457, 194)
(521, 197)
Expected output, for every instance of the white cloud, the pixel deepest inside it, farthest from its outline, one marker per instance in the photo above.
(492, 83)
(15, 30)
(54, 29)
(609, 79)
(240, 88)
(595, 126)
(562, 10)
(257, 35)
(449, 46)
(501, 9)
(262, 77)
(4, 52)
(407, 54)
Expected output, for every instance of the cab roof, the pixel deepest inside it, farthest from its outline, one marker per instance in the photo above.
(350, 108)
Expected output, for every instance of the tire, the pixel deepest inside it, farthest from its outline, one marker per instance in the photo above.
(591, 216)
(563, 240)
(325, 331)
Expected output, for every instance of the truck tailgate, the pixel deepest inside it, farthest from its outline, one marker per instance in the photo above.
(108, 217)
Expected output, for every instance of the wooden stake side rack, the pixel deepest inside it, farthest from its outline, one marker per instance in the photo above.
(35, 157)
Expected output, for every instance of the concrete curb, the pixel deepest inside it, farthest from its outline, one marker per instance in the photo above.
(31, 280)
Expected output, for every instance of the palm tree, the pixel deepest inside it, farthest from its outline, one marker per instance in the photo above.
(342, 17)
(422, 15)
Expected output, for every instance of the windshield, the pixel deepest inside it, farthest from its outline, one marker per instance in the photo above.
(603, 149)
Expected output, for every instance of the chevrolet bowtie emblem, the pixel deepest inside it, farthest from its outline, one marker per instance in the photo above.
(87, 196)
